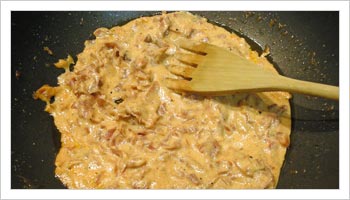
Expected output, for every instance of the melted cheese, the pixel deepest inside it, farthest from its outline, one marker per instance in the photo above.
(122, 128)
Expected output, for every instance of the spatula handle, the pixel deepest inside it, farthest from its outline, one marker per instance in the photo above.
(311, 88)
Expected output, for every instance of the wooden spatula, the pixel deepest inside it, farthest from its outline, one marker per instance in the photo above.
(216, 71)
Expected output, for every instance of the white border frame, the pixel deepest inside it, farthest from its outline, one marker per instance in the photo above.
(7, 7)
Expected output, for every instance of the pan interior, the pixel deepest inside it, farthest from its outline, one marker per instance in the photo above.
(304, 49)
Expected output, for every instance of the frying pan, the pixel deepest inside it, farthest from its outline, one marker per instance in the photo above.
(304, 45)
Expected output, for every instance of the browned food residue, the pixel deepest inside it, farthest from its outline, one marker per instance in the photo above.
(18, 74)
(48, 50)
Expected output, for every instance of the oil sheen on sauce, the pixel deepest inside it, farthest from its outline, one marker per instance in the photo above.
(122, 128)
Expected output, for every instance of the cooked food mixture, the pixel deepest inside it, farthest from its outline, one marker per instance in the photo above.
(123, 128)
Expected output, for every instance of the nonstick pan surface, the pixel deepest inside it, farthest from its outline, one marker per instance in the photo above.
(304, 45)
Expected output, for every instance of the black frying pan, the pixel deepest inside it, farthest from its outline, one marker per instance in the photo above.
(304, 45)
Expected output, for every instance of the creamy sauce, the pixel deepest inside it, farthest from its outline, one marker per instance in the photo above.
(122, 128)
